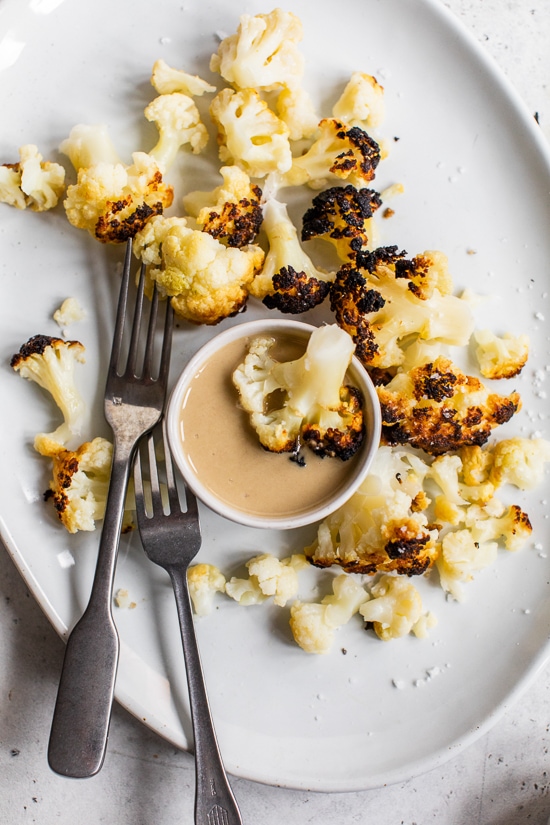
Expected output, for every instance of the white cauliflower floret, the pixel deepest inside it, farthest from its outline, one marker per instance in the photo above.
(295, 107)
(80, 481)
(32, 182)
(362, 102)
(317, 409)
(204, 581)
(250, 134)
(314, 624)
(179, 123)
(206, 280)
(50, 363)
(447, 472)
(268, 576)
(167, 80)
(462, 555)
(289, 281)
(501, 357)
(232, 212)
(379, 528)
(111, 200)
(395, 607)
(263, 53)
(519, 461)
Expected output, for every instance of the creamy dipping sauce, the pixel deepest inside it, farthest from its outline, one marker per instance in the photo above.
(225, 452)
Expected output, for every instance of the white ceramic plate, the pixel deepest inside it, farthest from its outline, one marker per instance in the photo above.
(476, 175)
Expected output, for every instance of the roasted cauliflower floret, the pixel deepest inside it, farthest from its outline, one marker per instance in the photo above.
(437, 408)
(289, 281)
(379, 529)
(31, 182)
(389, 299)
(512, 526)
(362, 102)
(395, 608)
(519, 461)
(232, 213)
(204, 581)
(111, 200)
(205, 280)
(179, 124)
(80, 482)
(50, 363)
(167, 80)
(314, 624)
(263, 53)
(343, 215)
(340, 152)
(317, 408)
(250, 135)
(461, 557)
(501, 357)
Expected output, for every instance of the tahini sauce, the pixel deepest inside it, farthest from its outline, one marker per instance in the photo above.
(227, 456)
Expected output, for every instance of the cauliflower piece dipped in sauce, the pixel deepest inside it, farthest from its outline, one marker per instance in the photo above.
(288, 281)
(31, 182)
(317, 410)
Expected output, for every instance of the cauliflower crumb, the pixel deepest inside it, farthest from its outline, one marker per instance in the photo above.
(122, 599)
(68, 313)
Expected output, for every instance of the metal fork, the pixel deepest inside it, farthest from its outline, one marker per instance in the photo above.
(171, 538)
(134, 400)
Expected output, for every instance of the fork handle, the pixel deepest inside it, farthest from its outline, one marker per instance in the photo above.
(80, 726)
(214, 800)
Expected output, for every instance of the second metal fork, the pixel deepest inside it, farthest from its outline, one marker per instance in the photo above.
(134, 400)
(171, 538)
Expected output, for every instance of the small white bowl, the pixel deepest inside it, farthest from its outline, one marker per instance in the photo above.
(263, 477)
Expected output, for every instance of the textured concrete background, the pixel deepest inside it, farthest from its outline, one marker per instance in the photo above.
(503, 779)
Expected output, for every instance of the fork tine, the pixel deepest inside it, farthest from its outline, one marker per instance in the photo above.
(121, 309)
(149, 345)
(136, 326)
(173, 496)
(156, 496)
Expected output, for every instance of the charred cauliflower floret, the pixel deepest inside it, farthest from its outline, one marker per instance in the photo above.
(380, 529)
(167, 80)
(263, 53)
(50, 363)
(31, 182)
(204, 581)
(250, 135)
(395, 608)
(339, 153)
(512, 526)
(289, 281)
(388, 299)
(437, 408)
(80, 482)
(362, 102)
(111, 200)
(343, 215)
(314, 624)
(232, 213)
(317, 408)
(205, 280)
(501, 357)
